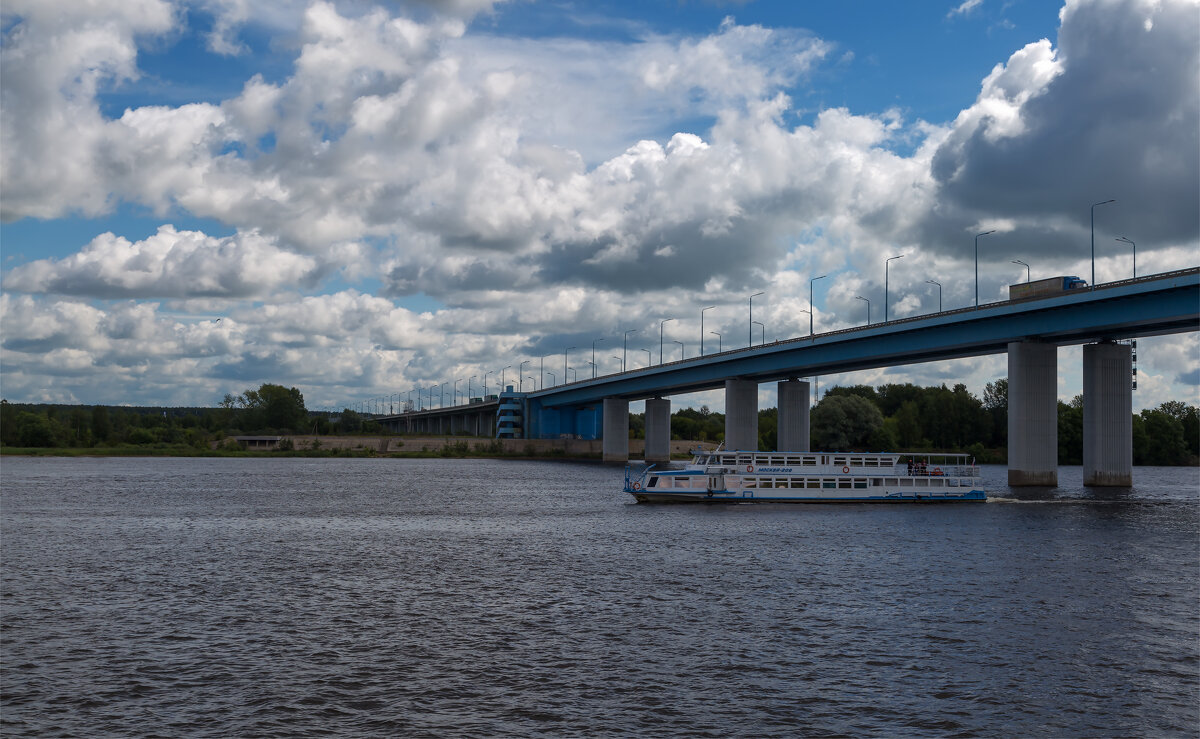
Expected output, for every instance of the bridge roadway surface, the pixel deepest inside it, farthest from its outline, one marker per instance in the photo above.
(1147, 306)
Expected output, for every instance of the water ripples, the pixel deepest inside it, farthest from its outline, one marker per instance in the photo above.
(491, 598)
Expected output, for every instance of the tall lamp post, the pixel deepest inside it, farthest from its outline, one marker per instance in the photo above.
(565, 351)
(625, 347)
(649, 356)
(472, 377)
(939, 287)
(750, 334)
(1127, 241)
(660, 338)
(553, 377)
(810, 316)
(718, 341)
(887, 263)
(594, 341)
(985, 233)
(542, 372)
(1093, 209)
(485, 374)
(456, 391)
(811, 307)
(702, 327)
(521, 374)
(682, 353)
(764, 331)
(502, 376)
(868, 302)
(1026, 266)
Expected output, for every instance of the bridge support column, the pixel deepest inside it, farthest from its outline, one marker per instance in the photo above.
(793, 416)
(741, 415)
(1032, 414)
(1107, 415)
(616, 430)
(658, 430)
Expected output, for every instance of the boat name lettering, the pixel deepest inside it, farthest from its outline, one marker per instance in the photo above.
(775, 469)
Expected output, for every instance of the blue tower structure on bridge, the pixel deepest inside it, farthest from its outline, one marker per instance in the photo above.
(510, 415)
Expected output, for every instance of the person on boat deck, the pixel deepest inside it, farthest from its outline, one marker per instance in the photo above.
(910, 467)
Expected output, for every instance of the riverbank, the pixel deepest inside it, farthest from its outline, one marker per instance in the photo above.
(364, 446)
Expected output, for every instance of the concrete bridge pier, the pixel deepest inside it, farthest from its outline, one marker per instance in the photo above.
(1107, 415)
(658, 430)
(615, 446)
(741, 415)
(793, 431)
(1032, 414)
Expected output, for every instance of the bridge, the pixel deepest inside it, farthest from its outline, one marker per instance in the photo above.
(1028, 330)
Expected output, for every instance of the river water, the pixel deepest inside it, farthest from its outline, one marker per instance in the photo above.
(405, 597)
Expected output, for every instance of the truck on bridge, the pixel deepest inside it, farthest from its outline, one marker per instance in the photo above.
(1045, 288)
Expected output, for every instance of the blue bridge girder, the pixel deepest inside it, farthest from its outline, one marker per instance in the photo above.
(1148, 306)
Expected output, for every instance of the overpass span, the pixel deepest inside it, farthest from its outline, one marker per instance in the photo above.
(1148, 306)
(1028, 330)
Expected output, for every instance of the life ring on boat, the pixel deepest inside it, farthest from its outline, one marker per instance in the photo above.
(845, 470)
(937, 470)
(749, 468)
(637, 486)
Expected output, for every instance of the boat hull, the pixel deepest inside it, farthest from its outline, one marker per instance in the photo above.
(749, 497)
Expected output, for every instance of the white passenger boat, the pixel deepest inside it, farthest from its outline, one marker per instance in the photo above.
(810, 477)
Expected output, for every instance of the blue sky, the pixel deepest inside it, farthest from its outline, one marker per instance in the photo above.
(373, 197)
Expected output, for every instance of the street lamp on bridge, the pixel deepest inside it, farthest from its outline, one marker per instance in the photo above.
(750, 339)
(660, 338)
(718, 341)
(702, 327)
(1127, 241)
(594, 342)
(625, 347)
(1026, 266)
(868, 302)
(812, 308)
(1106, 202)
(887, 263)
(939, 287)
(985, 233)
(682, 351)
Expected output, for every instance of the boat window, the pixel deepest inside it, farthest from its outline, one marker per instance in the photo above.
(829, 484)
(810, 461)
(812, 484)
(876, 482)
(906, 482)
(839, 461)
(797, 482)
(860, 484)
(767, 484)
(844, 484)
(936, 483)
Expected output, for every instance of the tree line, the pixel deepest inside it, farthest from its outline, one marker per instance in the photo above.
(269, 410)
(909, 418)
(894, 417)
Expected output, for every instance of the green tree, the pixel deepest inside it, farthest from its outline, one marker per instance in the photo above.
(908, 425)
(270, 407)
(36, 430)
(101, 427)
(844, 422)
(1167, 445)
(1070, 431)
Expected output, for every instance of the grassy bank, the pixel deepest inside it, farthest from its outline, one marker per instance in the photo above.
(460, 450)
